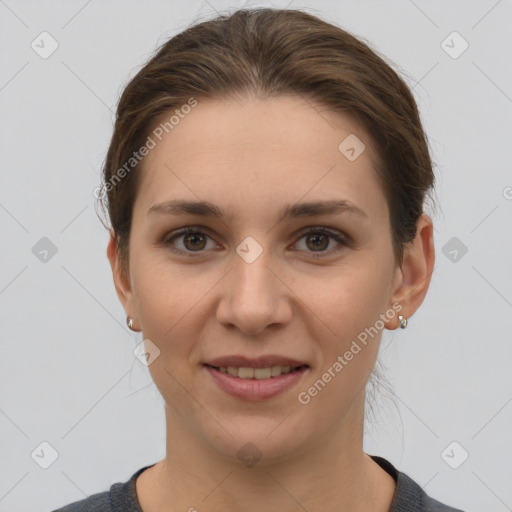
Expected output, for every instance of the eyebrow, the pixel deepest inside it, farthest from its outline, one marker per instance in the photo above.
(207, 209)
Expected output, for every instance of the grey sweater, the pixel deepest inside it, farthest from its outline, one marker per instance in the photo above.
(409, 496)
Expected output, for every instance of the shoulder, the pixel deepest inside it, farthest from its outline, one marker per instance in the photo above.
(99, 502)
(412, 494)
(408, 494)
(121, 497)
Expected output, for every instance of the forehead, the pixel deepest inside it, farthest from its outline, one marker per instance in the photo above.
(262, 152)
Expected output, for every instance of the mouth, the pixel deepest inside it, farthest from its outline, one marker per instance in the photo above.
(266, 372)
(255, 379)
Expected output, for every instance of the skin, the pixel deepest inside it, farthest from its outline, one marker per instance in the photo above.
(251, 157)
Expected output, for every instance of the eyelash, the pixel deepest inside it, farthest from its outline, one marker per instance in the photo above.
(342, 240)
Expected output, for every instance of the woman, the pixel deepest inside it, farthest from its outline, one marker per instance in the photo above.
(265, 185)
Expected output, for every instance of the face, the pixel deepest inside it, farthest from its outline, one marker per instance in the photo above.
(261, 280)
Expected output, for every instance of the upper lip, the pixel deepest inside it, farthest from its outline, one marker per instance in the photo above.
(254, 362)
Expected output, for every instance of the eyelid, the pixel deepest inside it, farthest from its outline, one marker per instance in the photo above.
(326, 230)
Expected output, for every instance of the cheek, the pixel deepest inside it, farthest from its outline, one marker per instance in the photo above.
(349, 306)
(345, 299)
(172, 303)
(168, 303)
(159, 285)
(162, 297)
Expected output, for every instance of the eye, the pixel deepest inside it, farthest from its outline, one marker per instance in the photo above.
(317, 240)
(192, 240)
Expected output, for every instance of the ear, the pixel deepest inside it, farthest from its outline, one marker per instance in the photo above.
(121, 280)
(413, 277)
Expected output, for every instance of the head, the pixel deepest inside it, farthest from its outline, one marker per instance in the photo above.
(250, 117)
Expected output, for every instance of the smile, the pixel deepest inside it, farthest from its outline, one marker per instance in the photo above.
(244, 372)
(255, 384)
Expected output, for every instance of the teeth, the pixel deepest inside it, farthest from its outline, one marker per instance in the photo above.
(276, 371)
(255, 373)
(262, 373)
(245, 373)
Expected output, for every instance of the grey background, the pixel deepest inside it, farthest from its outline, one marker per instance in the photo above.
(68, 374)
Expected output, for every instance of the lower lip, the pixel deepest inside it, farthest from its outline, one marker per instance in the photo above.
(256, 389)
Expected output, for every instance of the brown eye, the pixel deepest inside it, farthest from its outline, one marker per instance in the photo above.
(194, 241)
(317, 241)
(189, 240)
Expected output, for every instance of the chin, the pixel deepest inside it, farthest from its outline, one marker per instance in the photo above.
(259, 440)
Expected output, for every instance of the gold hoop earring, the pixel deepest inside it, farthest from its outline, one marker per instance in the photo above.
(402, 321)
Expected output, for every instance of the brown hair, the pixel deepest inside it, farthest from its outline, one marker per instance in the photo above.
(272, 52)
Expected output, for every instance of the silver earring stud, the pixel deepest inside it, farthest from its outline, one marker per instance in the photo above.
(403, 321)
(129, 323)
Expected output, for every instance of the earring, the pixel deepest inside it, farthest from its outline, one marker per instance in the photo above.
(129, 323)
(403, 321)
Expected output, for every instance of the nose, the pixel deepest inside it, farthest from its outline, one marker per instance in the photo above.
(254, 297)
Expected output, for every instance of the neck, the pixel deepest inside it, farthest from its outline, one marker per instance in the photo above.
(332, 474)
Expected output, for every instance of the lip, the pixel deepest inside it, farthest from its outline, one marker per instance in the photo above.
(256, 362)
(256, 389)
